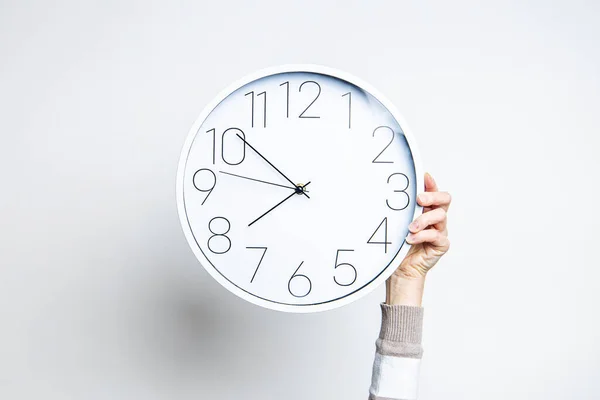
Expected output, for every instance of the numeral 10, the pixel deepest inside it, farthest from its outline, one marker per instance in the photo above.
(229, 136)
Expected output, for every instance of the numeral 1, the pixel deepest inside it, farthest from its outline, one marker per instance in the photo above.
(349, 94)
(264, 107)
(214, 135)
(287, 97)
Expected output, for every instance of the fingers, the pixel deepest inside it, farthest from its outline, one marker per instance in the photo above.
(434, 199)
(435, 218)
(433, 236)
(436, 206)
(430, 185)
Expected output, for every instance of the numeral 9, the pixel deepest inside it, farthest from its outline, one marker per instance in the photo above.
(201, 175)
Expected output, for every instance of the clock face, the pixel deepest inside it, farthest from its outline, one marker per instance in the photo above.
(296, 187)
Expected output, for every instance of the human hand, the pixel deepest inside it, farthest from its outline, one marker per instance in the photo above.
(428, 238)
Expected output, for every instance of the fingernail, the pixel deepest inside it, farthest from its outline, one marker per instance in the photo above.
(410, 237)
(422, 198)
(413, 225)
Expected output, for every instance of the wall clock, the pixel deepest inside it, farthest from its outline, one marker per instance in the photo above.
(296, 186)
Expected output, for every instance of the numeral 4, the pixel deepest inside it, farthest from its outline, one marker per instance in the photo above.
(385, 235)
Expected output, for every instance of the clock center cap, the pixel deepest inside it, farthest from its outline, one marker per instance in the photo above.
(300, 188)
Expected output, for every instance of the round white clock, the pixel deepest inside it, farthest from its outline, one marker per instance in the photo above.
(296, 186)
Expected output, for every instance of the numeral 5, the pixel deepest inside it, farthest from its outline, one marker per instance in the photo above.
(344, 266)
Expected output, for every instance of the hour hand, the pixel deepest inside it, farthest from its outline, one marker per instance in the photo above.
(298, 190)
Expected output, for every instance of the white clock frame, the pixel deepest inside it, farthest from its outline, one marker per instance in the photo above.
(357, 294)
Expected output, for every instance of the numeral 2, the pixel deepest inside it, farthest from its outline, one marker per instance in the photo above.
(313, 102)
(375, 160)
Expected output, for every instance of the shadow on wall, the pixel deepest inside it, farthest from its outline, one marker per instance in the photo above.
(170, 327)
(186, 328)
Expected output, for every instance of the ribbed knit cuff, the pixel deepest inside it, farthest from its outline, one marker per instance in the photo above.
(401, 323)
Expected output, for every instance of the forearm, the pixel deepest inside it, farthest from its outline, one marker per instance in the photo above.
(398, 348)
(404, 291)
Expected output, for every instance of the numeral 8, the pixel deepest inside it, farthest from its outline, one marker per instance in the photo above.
(217, 235)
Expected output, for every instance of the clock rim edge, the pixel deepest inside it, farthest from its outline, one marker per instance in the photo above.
(287, 68)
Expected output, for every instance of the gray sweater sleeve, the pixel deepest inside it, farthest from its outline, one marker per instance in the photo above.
(398, 354)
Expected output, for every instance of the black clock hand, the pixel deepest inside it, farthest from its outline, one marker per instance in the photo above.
(257, 180)
(299, 190)
(261, 156)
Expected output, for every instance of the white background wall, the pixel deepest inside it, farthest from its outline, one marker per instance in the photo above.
(100, 296)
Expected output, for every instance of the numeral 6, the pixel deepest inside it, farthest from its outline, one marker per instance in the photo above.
(299, 290)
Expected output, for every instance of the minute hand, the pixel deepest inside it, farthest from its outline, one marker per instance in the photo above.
(276, 169)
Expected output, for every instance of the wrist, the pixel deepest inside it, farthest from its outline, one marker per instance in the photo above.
(402, 290)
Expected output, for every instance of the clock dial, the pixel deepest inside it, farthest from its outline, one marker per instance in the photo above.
(296, 188)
